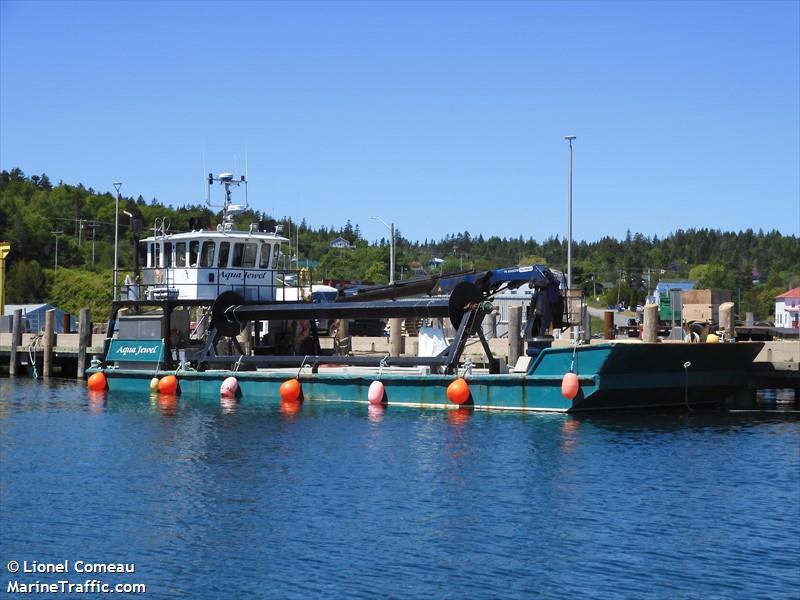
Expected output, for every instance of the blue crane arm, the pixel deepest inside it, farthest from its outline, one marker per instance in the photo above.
(490, 282)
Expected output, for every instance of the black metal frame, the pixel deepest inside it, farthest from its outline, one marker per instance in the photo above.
(448, 359)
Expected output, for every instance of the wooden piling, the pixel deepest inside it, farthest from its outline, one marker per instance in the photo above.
(491, 331)
(726, 319)
(342, 329)
(245, 339)
(650, 333)
(49, 342)
(514, 340)
(16, 340)
(84, 340)
(608, 325)
(395, 337)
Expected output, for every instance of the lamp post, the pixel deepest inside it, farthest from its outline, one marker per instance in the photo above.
(117, 185)
(569, 138)
(391, 247)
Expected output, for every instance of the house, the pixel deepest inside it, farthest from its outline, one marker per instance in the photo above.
(35, 314)
(340, 242)
(787, 306)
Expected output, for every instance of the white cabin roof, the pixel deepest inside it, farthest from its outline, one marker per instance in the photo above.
(218, 235)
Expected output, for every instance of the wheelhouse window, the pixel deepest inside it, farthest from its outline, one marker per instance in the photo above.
(194, 252)
(238, 253)
(156, 254)
(222, 257)
(249, 255)
(263, 261)
(275, 251)
(180, 254)
(207, 254)
(167, 254)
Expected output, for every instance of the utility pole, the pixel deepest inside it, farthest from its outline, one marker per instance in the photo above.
(56, 233)
(93, 225)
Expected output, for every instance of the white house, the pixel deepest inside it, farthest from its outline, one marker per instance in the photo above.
(787, 306)
(340, 242)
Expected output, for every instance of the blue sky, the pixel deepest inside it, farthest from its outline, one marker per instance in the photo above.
(439, 116)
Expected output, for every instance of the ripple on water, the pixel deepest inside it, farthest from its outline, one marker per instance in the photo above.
(217, 500)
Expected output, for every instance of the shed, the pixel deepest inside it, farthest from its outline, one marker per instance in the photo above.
(35, 314)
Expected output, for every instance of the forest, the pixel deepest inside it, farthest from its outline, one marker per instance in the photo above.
(62, 250)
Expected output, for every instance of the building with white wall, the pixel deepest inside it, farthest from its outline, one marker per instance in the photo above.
(787, 306)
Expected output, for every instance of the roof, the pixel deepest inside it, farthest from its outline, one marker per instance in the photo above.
(214, 234)
(340, 242)
(793, 293)
(26, 308)
(674, 284)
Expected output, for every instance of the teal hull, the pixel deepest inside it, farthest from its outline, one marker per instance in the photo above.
(611, 376)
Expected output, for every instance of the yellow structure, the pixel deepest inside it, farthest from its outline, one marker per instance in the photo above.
(5, 248)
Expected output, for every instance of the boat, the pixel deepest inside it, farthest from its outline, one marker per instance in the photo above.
(212, 314)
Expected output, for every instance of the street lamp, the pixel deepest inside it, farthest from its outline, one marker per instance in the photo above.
(391, 247)
(117, 185)
(569, 138)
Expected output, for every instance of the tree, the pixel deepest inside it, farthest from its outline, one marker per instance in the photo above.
(26, 283)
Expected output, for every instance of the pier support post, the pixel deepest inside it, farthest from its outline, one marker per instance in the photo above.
(650, 333)
(514, 339)
(49, 342)
(84, 340)
(342, 329)
(608, 325)
(586, 320)
(16, 340)
(726, 319)
(395, 337)
(492, 324)
(245, 339)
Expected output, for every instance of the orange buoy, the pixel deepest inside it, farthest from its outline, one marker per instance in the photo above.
(290, 390)
(570, 385)
(168, 385)
(458, 391)
(97, 382)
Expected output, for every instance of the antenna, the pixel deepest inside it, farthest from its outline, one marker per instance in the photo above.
(203, 153)
(246, 174)
(229, 210)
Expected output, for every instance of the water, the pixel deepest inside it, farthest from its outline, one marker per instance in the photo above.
(338, 501)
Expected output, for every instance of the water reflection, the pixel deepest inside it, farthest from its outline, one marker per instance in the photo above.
(167, 404)
(459, 417)
(97, 402)
(569, 433)
(228, 404)
(375, 412)
(290, 408)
